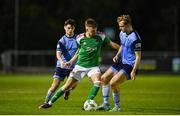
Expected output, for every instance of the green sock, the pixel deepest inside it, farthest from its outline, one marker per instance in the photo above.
(58, 94)
(93, 92)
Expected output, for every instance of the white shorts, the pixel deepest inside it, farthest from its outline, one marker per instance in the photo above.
(79, 72)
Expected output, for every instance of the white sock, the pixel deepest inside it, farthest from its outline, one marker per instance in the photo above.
(48, 96)
(105, 92)
(116, 97)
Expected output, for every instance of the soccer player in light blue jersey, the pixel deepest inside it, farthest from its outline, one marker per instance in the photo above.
(126, 63)
(66, 49)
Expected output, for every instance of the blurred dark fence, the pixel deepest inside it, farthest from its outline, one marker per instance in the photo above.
(44, 62)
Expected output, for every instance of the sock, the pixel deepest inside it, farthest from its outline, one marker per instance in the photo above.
(105, 92)
(116, 97)
(48, 96)
(93, 92)
(58, 94)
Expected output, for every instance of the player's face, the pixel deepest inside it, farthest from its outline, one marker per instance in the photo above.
(122, 26)
(90, 31)
(69, 30)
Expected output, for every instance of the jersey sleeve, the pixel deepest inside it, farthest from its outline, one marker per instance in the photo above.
(60, 45)
(78, 39)
(105, 39)
(78, 44)
(137, 45)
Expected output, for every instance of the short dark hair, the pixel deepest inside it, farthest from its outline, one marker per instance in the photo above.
(91, 23)
(70, 22)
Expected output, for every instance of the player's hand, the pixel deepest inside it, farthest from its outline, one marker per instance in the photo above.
(115, 59)
(133, 75)
(63, 64)
(69, 63)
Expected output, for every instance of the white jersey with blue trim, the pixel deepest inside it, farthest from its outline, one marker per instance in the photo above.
(68, 47)
(130, 43)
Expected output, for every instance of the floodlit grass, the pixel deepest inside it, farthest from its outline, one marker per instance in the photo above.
(148, 94)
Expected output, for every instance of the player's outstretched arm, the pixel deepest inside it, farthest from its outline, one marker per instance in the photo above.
(116, 57)
(114, 45)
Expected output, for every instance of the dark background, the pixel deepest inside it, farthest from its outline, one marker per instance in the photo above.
(40, 22)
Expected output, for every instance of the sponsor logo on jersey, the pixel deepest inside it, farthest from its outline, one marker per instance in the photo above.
(91, 49)
(84, 43)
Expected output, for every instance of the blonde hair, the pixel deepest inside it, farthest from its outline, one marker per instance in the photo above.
(125, 18)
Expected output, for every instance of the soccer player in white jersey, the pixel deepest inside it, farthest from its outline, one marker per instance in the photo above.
(66, 49)
(126, 63)
(89, 44)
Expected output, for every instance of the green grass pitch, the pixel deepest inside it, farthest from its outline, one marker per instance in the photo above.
(148, 94)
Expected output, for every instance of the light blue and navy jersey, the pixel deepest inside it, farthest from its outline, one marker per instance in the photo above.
(130, 43)
(67, 47)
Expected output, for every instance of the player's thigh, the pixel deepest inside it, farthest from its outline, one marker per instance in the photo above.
(69, 83)
(95, 77)
(118, 78)
(107, 76)
(94, 74)
(55, 83)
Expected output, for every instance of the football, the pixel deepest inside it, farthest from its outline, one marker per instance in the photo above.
(90, 105)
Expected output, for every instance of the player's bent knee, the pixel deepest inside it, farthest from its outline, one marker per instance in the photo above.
(102, 79)
(113, 84)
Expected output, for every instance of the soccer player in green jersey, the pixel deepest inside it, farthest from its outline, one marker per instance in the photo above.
(89, 48)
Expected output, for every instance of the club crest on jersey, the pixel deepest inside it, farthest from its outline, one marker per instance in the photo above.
(84, 43)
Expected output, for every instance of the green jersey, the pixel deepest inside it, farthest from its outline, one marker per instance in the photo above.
(90, 49)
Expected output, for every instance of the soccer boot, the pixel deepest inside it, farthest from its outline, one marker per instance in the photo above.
(115, 109)
(66, 95)
(45, 106)
(105, 107)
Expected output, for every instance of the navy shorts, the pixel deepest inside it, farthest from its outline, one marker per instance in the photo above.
(125, 68)
(61, 73)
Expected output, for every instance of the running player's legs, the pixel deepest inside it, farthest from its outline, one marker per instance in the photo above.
(76, 75)
(55, 84)
(116, 80)
(58, 77)
(61, 91)
(106, 77)
(95, 74)
(70, 83)
(123, 74)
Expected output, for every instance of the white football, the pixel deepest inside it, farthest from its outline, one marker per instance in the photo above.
(90, 105)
